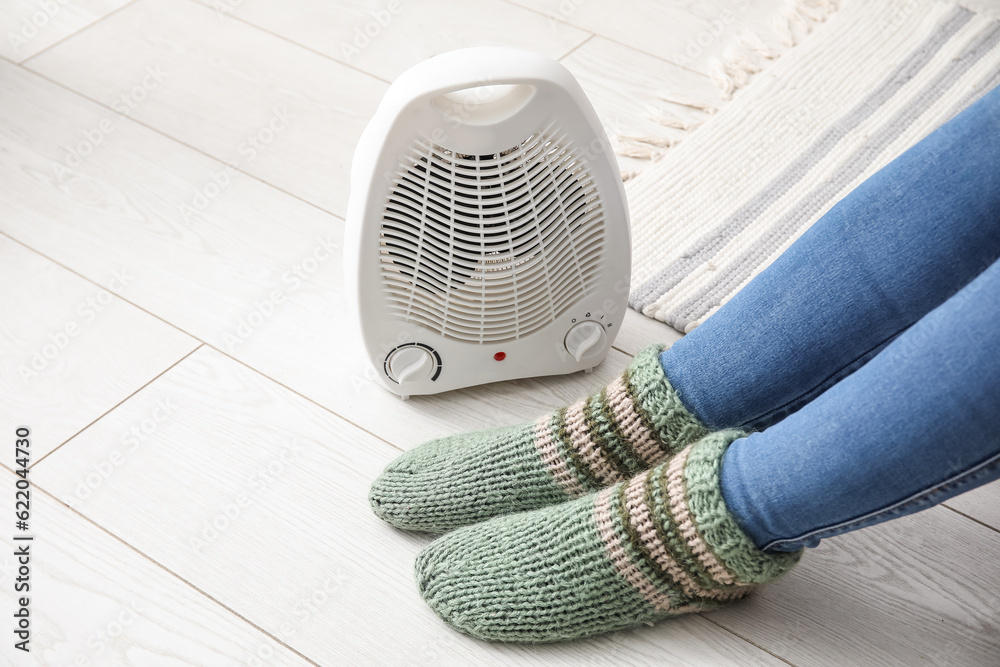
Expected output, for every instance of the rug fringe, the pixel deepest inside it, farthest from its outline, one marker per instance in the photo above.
(644, 147)
(667, 119)
(740, 61)
(691, 103)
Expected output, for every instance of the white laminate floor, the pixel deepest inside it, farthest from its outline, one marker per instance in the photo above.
(200, 484)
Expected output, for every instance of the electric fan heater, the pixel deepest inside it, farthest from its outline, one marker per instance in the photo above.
(487, 232)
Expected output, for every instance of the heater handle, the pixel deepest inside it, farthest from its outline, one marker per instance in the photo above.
(478, 67)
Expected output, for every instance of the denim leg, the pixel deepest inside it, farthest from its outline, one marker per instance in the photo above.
(896, 247)
(918, 424)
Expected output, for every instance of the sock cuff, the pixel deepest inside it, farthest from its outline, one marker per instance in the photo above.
(658, 402)
(714, 523)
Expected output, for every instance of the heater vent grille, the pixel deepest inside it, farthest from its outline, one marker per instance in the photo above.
(490, 248)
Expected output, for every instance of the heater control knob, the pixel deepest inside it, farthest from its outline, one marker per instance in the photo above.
(585, 338)
(410, 364)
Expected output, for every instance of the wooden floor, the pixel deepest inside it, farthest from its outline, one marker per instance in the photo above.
(202, 453)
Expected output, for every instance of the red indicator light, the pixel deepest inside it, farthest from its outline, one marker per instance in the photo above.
(500, 356)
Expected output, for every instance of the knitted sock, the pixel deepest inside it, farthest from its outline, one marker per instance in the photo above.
(630, 425)
(659, 545)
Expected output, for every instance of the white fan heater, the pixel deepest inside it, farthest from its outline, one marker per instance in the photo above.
(487, 232)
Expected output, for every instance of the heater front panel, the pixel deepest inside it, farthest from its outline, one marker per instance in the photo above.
(491, 248)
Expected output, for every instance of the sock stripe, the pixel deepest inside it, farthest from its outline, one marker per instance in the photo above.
(587, 478)
(604, 412)
(630, 422)
(548, 450)
(658, 500)
(637, 552)
(634, 423)
(622, 563)
(663, 450)
(686, 525)
(640, 554)
(618, 449)
(652, 547)
(599, 461)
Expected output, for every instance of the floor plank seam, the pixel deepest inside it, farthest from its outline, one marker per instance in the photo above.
(293, 42)
(610, 39)
(590, 36)
(752, 643)
(81, 30)
(179, 141)
(232, 611)
(307, 398)
(971, 518)
(115, 406)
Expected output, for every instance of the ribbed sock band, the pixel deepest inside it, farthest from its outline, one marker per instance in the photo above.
(658, 545)
(632, 424)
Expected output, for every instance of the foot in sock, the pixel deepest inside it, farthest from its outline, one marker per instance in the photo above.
(631, 425)
(659, 545)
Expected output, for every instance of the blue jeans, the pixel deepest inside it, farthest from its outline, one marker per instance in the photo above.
(866, 359)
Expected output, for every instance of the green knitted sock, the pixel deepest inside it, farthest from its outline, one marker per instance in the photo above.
(659, 545)
(631, 425)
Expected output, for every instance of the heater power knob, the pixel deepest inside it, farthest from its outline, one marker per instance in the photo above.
(410, 364)
(585, 338)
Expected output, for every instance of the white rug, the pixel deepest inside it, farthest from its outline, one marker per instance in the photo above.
(869, 82)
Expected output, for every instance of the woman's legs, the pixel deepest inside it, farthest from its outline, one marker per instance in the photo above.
(898, 246)
(916, 425)
(898, 281)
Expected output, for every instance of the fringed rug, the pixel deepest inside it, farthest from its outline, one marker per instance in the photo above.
(867, 83)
